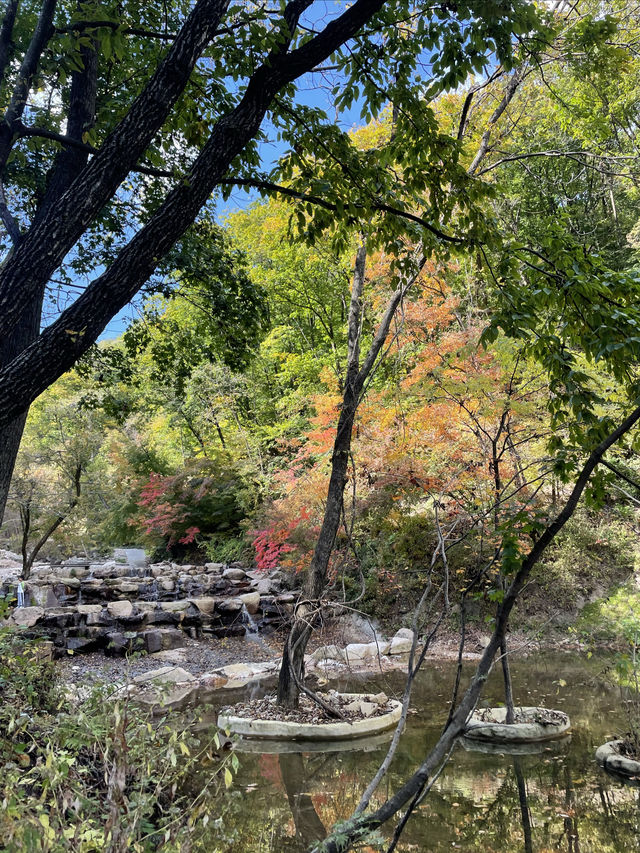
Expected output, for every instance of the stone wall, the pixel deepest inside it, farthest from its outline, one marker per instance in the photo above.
(83, 606)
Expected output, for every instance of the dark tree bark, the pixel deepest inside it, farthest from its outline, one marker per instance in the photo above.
(66, 167)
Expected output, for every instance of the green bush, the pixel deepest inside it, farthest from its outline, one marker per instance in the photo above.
(593, 551)
(100, 775)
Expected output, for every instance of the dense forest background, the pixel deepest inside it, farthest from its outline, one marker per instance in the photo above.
(205, 431)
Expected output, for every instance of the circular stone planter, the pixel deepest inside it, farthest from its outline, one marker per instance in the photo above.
(281, 730)
(609, 758)
(489, 726)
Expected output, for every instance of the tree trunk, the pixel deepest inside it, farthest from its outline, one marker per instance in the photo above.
(506, 677)
(292, 667)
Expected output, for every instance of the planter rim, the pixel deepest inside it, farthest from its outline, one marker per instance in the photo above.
(286, 730)
(498, 731)
(609, 758)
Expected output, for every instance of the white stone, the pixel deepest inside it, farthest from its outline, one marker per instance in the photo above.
(89, 608)
(234, 574)
(166, 674)
(174, 606)
(237, 670)
(205, 604)
(405, 633)
(356, 653)
(120, 609)
(400, 646)
(334, 653)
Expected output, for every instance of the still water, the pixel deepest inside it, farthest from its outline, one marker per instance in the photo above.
(554, 800)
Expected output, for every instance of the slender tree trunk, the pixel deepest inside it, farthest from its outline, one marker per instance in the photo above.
(524, 805)
(292, 668)
(506, 676)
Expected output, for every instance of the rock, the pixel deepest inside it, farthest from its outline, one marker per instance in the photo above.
(43, 596)
(73, 583)
(365, 709)
(230, 605)
(27, 616)
(120, 643)
(205, 605)
(10, 556)
(79, 571)
(175, 606)
(214, 567)
(358, 653)
(355, 629)
(126, 587)
(162, 639)
(405, 633)
(120, 609)
(171, 655)
(400, 646)
(483, 641)
(89, 608)
(264, 587)
(234, 574)
(84, 644)
(324, 653)
(165, 675)
(167, 584)
(251, 601)
(380, 698)
(237, 670)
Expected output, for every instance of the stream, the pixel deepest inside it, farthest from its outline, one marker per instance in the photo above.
(556, 799)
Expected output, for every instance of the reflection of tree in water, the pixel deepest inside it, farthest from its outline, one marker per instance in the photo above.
(308, 825)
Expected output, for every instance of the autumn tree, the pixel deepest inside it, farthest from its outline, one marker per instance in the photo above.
(119, 123)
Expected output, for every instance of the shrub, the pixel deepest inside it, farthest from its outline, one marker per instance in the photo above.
(100, 776)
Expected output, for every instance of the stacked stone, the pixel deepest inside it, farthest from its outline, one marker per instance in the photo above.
(83, 606)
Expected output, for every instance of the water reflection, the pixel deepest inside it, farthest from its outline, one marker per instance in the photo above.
(555, 800)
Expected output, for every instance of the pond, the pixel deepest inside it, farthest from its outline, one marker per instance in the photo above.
(555, 800)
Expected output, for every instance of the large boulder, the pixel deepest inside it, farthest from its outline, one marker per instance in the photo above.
(27, 616)
(327, 653)
(362, 653)
(402, 642)
(251, 601)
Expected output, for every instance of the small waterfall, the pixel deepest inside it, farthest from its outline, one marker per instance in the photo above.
(251, 629)
(20, 593)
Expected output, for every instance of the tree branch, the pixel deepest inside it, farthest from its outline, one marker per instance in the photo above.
(62, 343)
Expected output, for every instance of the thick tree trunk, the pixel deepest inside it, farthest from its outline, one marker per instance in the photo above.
(67, 166)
